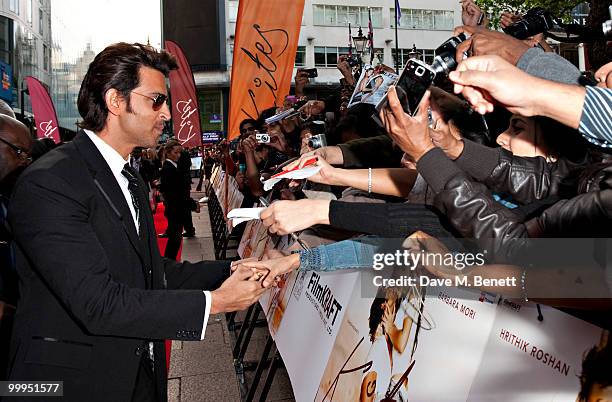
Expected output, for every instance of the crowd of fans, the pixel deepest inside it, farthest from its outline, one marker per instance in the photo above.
(508, 148)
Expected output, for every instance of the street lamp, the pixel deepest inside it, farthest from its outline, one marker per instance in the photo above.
(360, 42)
(414, 53)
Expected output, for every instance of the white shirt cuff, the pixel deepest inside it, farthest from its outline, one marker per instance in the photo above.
(208, 297)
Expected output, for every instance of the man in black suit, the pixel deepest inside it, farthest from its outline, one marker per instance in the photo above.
(15, 148)
(184, 166)
(97, 299)
(177, 201)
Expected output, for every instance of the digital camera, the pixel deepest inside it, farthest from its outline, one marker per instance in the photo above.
(262, 138)
(536, 21)
(353, 60)
(317, 141)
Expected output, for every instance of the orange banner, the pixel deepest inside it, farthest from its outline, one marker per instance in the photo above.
(267, 34)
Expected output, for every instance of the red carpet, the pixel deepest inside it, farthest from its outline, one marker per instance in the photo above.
(160, 227)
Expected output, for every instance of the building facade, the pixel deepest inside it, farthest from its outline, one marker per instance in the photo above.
(25, 47)
(324, 36)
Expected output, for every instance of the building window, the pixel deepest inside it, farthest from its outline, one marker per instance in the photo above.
(46, 57)
(14, 6)
(210, 110)
(40, 21)
(327, 56)
(29, 11)
(379, 55)
(325, 14)
(443, 20)
(6, 39)
(233, 10)
(300, 56)
(438, 20)
(427, 55)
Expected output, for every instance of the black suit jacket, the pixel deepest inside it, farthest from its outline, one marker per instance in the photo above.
(172, 187)
(148, 171)
(92, 292)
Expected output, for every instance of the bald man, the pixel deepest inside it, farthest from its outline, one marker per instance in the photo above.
(15, 146)
(5, 109)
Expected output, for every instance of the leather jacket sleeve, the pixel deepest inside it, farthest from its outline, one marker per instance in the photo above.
(472, 211)
(585, 215)
(525, 179)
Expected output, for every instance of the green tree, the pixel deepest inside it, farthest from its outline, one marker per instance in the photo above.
(598, 53)
(494, 8)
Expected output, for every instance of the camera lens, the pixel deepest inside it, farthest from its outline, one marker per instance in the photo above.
(445, 61)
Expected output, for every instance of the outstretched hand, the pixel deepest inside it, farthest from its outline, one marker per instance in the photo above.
(411, 134)
(483, 80)
(269, 271)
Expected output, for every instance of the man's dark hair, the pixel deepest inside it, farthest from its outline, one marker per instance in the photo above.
(250, 121)
(116, 67)
(171, 144)
(269, 112)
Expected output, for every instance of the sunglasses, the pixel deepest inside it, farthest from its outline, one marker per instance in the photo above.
(21, 153)
(158, 100)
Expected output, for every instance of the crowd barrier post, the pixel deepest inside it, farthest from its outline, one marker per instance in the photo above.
(263, 361)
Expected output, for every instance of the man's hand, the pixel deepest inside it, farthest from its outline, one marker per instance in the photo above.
(312, 108)
(482, 79)
(238, 291)
(470, 13)
(301, 80)
(346, 70)
(277, 139)
(484, 42)
(507, 19)
(284, 217)
(249, 144)
(443, 138)
(224, 147)
(411, 134)
(270, 270)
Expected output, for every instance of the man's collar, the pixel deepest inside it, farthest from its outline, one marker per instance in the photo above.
(172, 162)
(114, 160)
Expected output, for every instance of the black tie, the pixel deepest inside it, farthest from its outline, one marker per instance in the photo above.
(130, 174)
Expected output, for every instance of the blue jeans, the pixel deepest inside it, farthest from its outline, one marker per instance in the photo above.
(347, 254)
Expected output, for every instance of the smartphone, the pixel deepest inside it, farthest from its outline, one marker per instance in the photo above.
(411, 86)
(312, 72)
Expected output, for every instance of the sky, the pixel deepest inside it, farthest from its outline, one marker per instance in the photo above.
(102, 22)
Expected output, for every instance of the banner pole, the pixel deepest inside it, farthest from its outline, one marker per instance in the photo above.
(397, 55)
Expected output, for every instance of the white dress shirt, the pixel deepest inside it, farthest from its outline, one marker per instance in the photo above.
(116, 163)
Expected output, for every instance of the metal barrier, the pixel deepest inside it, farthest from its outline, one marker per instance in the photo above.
(242, 331)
